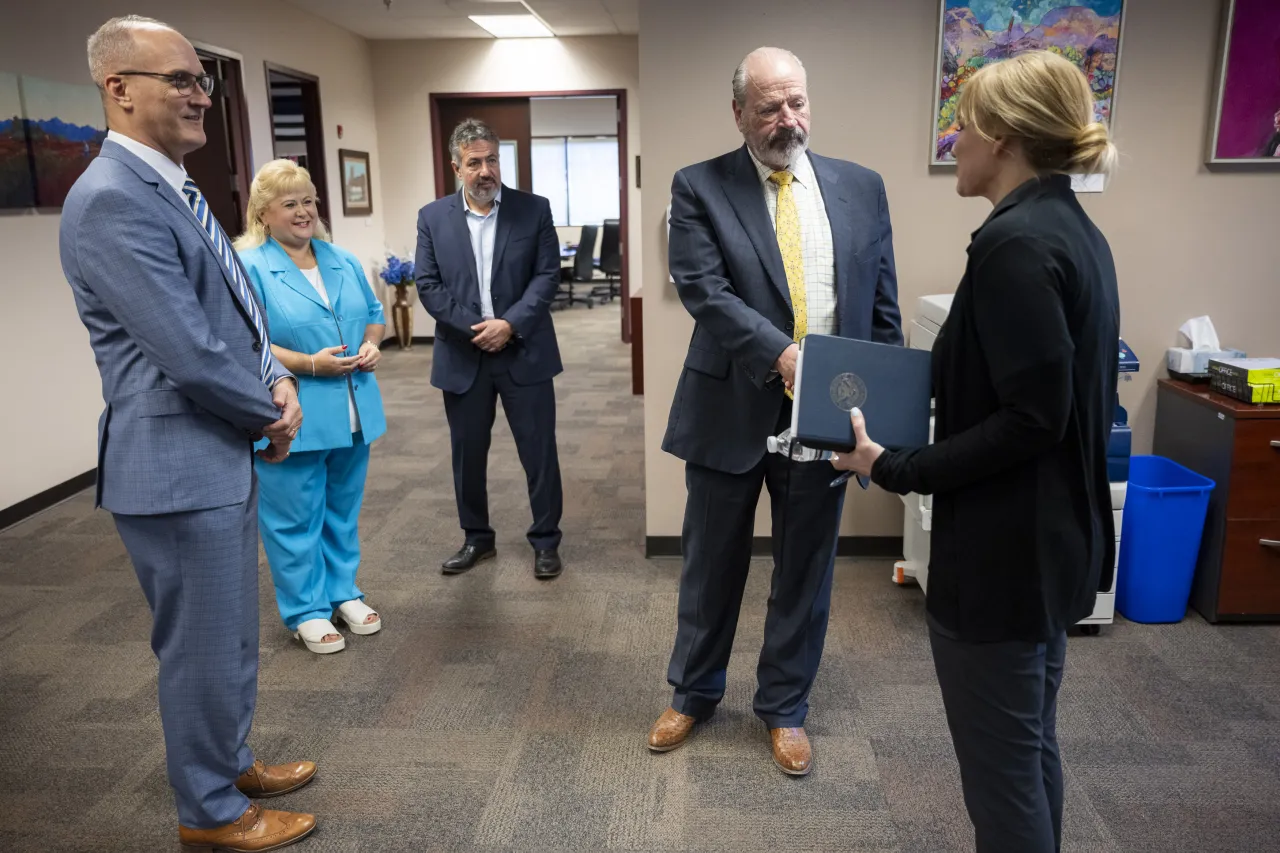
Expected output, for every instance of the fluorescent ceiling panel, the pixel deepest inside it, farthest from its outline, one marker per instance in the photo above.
(512, 26)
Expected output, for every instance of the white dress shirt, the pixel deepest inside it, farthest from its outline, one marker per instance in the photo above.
(317, 281)
(816, 245)
(173, 174)
(484, 230)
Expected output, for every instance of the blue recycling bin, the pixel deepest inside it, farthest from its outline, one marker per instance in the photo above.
(1164, 513)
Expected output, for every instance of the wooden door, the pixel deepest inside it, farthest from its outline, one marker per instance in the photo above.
(509, 118)
(221, 168)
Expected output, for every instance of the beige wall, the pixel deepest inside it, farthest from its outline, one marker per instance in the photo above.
(58, 392)
(1187, 242)
(407, 73)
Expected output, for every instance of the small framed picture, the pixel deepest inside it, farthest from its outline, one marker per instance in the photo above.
(357, 186)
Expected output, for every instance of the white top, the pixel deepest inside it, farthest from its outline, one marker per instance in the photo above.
(816, 245)
(484, 230)
(317, 281)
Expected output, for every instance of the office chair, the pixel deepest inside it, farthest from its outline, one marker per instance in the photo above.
(583, 270)
(610, 262)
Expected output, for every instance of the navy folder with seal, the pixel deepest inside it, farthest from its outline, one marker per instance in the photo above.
(892, 385)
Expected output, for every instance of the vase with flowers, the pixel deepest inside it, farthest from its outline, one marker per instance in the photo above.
(399, 274)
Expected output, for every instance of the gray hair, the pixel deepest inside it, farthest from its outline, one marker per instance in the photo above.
(740, 73)
(470, 131)
(113, 43)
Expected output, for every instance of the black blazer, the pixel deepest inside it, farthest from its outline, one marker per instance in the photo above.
(1024, 374)
(526, 273)
(728, 271)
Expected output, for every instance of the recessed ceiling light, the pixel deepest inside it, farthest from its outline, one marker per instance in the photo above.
(512, 26)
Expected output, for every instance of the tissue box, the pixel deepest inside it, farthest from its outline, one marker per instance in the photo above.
(1252, 380)
(1191, 361)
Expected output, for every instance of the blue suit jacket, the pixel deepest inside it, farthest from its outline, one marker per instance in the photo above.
(300, 321)
(525, 276)
(178, 354)
(723, 255)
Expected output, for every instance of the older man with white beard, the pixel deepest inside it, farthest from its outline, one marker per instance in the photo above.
(768, 243)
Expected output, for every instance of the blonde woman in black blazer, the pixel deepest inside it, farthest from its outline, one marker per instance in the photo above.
(1024, 374)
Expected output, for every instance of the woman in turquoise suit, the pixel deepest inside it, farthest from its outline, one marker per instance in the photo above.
(326, 325)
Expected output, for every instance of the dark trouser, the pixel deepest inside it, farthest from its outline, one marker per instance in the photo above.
(531, 412)
(199, 571)
(718, 524)
(1002, 707)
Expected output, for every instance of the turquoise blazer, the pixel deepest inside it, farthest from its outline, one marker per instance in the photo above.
(298, 320)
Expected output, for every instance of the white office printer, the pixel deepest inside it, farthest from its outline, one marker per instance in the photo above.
(931, 313)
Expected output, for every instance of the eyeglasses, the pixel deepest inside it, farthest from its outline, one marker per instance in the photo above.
(180, 80)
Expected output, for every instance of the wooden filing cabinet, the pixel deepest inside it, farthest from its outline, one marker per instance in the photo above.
(1237, 445)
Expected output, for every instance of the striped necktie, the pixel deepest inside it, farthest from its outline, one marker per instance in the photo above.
(228, 257)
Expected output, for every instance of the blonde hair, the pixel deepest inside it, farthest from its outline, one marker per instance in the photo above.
(1045, 101)
(272, 181)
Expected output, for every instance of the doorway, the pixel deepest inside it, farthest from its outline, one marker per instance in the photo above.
(297, 130)
(510, 114)
(221, 167)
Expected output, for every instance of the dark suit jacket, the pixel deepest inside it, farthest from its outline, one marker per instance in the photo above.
(526, 273)
(724, 258)
(1024, 372)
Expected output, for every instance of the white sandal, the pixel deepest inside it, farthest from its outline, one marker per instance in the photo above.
(355, 612)
(312, 633)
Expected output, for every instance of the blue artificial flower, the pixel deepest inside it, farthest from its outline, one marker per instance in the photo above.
(397, 271)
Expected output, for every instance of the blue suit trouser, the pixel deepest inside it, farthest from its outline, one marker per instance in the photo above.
(199, 571)
(309, 515)
(718, 522)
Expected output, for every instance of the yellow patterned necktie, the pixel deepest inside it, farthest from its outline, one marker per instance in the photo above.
(788, 228)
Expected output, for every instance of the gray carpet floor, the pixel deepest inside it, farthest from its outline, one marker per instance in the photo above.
(498, 713)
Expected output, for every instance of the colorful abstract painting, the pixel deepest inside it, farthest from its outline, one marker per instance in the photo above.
(65, 129)
(1246, 122)
(17, 189)
(974, 33)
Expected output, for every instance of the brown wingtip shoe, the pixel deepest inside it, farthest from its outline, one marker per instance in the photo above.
(271, 780)
(256, 831)
(791, 751)
(671, 730)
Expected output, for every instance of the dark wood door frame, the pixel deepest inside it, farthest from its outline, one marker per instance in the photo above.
(314, 123)
(441, 158)
(237, 117)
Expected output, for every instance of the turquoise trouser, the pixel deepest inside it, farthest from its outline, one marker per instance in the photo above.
(308, 514)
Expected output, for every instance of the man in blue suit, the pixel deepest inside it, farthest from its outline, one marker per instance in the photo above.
(487, 267)
(189, 384)
(768, 243)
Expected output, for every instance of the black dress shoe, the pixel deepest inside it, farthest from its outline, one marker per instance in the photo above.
(467, 558)
(546, 564)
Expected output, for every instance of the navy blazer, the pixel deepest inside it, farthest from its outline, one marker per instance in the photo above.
(178, 354)
(724, 257)
(523, 283)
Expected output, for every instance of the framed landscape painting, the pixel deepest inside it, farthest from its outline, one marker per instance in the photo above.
(65, 128)
(974, 33)
(17, 190)
(357, 184)
(1246, 113)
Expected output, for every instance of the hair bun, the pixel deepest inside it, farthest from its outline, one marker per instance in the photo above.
(1093, 149)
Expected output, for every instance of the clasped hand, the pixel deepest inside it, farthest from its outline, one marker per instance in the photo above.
(281, 433)
(492, 335)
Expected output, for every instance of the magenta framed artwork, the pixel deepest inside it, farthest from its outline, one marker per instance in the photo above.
(1246, 113)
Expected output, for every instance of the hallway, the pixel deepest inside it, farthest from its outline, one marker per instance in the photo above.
(499, 713)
